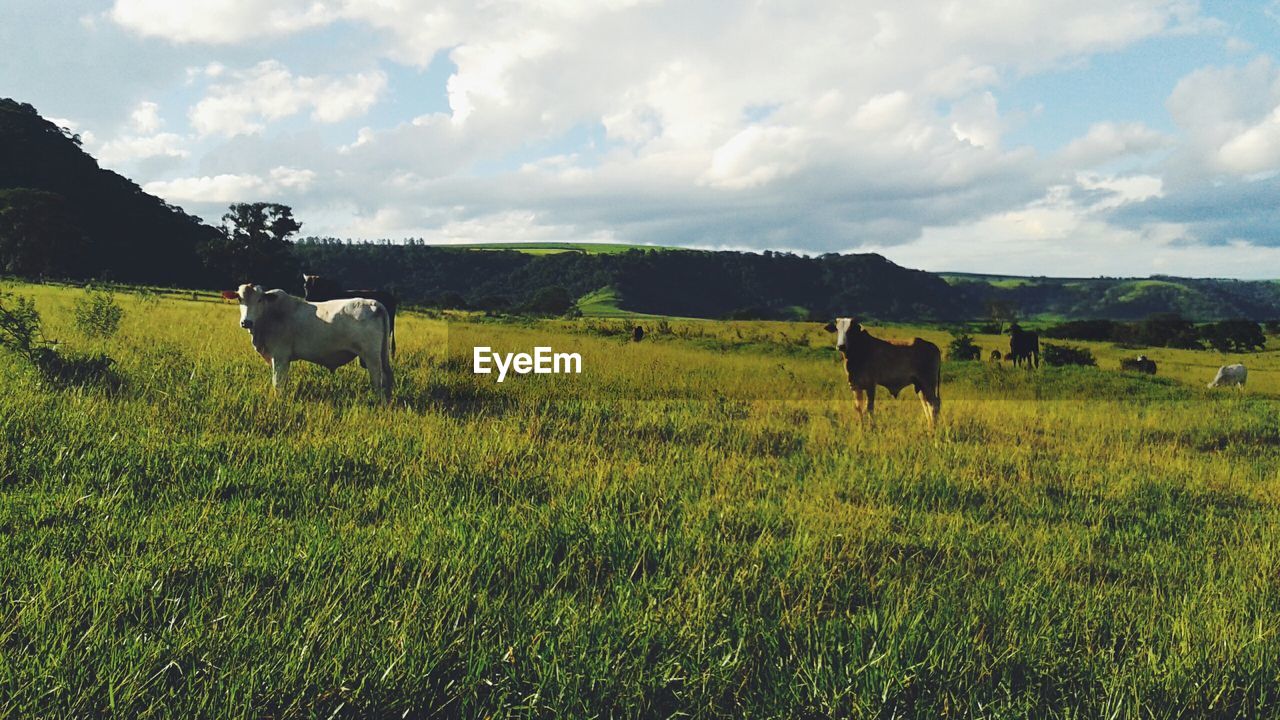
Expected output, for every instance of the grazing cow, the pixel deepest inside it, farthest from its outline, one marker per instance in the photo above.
(284, 328)
(637, 334)
(870, 361)
(1141, 364)
(317, 288)
(1024, 346)
(1230, 375)
(995, 356)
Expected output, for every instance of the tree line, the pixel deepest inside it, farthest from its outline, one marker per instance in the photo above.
(1169, 330)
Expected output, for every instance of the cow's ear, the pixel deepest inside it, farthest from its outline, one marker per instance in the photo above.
(230, 295)
(829, 327)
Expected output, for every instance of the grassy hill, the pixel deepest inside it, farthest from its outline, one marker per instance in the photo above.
(1199, 299)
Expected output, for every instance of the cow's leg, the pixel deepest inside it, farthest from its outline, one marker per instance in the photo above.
(932, 402)
(387, 378)
(373, 363)
(871, 405)
(860, 402)
(279, 373)
(379, 367)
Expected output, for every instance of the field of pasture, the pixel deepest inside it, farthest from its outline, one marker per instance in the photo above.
(694, 526)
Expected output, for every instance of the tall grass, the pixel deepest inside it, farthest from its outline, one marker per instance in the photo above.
(695, 526)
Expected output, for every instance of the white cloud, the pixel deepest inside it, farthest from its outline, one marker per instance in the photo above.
(1119, 190)
(756, 156)
(232, 187)
(827, 125)
(269, 91)
(1256, 149)
(1231, 119)
(1108, 141)
(219, 21)
(146, 118)
(1056, 235)
(132, 148)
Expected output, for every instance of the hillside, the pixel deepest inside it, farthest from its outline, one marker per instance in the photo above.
(63, 215)
(1125, 298)
(687, 283)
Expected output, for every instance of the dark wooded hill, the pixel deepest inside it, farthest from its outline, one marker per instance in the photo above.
(63, 216)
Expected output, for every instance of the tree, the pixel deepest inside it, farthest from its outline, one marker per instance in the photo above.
(37, 236)
(1169, 330)
(551, 300)
(254, 246)
(963, 348)
(1234, 335)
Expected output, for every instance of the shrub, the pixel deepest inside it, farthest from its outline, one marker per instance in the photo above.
(962, 348)
(20, 327)
(150, 298)
(20, 334)
(1059, 355)
(98, 314)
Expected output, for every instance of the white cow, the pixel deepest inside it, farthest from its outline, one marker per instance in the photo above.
(1229, 375)
(284, 328)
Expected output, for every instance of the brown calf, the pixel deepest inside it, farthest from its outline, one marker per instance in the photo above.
(870, 361)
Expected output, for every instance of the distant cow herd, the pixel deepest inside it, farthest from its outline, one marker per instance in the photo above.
(332, 326)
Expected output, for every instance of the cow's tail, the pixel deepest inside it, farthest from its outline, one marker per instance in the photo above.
(391, 316)
(388, 345)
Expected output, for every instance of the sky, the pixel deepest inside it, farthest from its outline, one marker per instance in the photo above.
(1059, 138)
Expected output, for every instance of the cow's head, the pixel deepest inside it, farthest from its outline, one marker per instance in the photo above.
(845, 329)
(309, 282)
(254, 303)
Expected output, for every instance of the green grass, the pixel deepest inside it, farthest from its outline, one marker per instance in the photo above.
(549, 248)
(694, 526)
(604, 303)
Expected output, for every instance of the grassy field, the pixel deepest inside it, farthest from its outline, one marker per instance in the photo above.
(695, 526)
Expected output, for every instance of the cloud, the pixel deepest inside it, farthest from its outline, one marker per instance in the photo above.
(1108, 141)
(1230, 117)
(146, 118)
(219, 21)
(231, 187)
(269, 91)
(133, 148)
(1256, 149)
(823, 126)
(1057, 235)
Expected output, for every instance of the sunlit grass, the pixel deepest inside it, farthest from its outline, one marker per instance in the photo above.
(696, 524)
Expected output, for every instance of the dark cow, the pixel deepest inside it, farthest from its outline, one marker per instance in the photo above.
(317, 288)
(1024, 346)
(637, 334)
(1140, 364)
(996, 356)
(870, 361)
